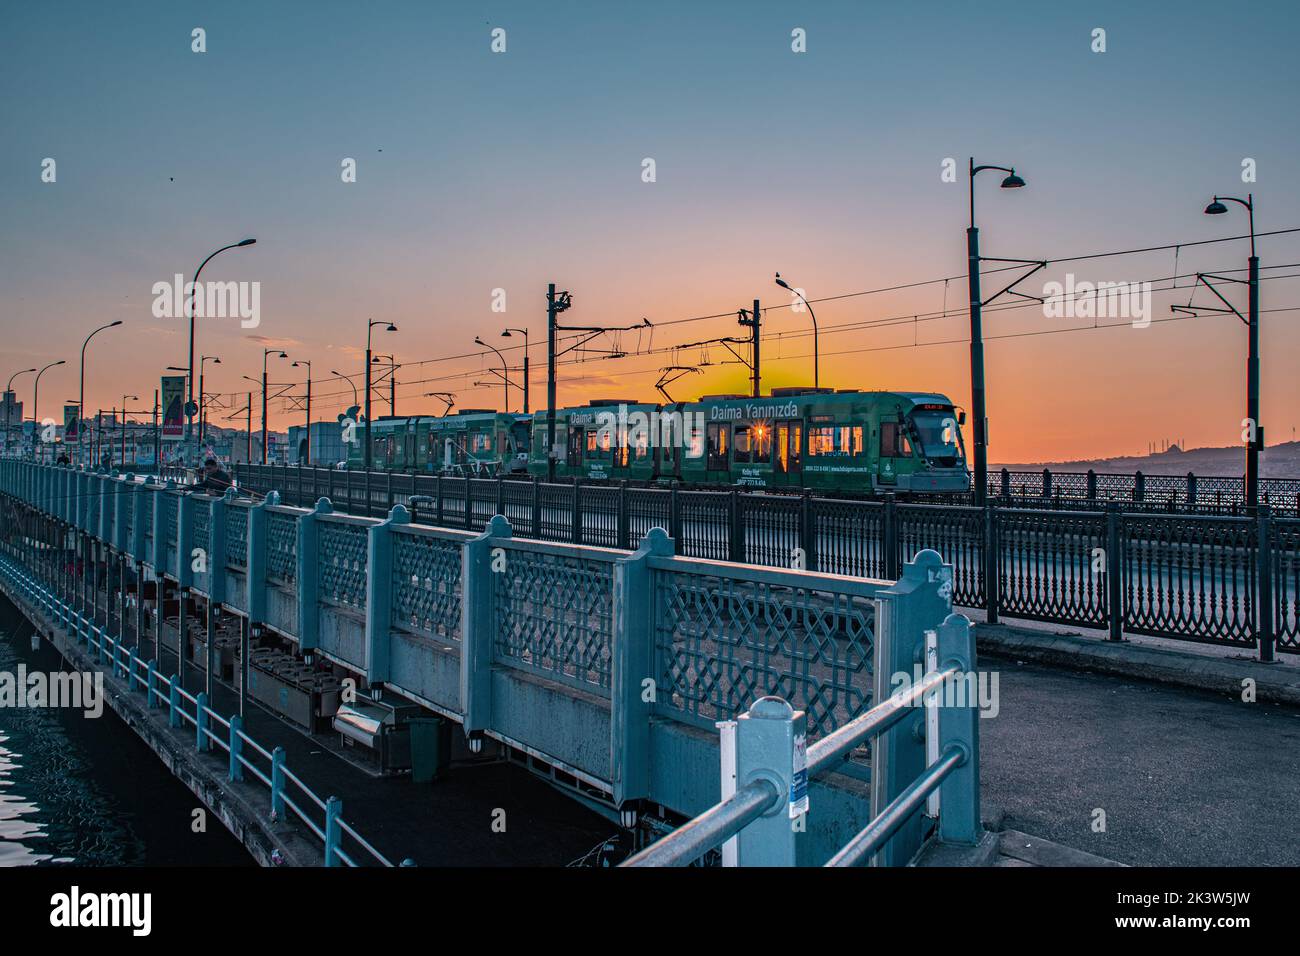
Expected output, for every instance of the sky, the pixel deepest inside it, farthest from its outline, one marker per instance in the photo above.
(479, 171)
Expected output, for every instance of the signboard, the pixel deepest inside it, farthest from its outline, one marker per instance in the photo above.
(71, 424)
(173, 405)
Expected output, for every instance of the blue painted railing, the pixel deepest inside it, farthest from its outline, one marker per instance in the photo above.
(210, 727)
(613, 668)
(767, 765)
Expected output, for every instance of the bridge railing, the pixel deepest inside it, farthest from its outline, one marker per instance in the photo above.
(210, 727)
(1075, 559)
(767, 764)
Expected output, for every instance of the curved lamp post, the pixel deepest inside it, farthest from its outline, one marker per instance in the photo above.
(350, 382)
(9, 404)
(134, 398)
(81, 401)
(36, 399)
(390, 327)
(524, 332)
(505, 372)
(1217, 208)
(1011, 181)
(197, 272)
(816, 363)
(265, 433)
(298, 364)
(203, 417)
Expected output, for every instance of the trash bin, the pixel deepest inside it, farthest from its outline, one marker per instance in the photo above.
(430, 748)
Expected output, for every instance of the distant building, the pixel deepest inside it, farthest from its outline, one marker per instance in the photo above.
(326, 444)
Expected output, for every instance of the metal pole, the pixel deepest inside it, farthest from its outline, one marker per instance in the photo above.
(250, 428)
(157, 442)
(550, 382)
(308, 416)
(1252, 388)
(977, 361)
(264, 442)
(367, 457)
(201, 364)
(525, 374)
(392, 386)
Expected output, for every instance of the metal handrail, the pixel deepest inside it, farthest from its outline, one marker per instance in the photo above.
(720, 822)
(873, 836)
(836, 746)
(728, 817)
(289, 775)
(100, 638)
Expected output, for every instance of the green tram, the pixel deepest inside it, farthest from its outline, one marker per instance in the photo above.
(848, 441)
(474, 442)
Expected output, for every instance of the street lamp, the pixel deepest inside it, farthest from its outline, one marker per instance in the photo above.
(193, 304)
(81, 402)
(784, 285)
(9, 403)
(297, 364)
(505, 371)
(350, 382)
(203, 360)
(134, 398)
(390, 327)
(265, 353)
(1256, 442)
(391, 362)
(1011, 181)
(524, 333)
(36, 394)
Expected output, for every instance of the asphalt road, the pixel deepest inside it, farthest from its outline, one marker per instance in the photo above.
(1186, 778)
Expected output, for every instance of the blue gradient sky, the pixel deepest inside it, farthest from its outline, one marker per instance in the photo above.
(517, 169)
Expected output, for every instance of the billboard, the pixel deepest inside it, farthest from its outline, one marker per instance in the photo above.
(71, 424)
(173, 405)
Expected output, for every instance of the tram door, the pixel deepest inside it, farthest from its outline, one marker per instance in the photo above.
(787, 455)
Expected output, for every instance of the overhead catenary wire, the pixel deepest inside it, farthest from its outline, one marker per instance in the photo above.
(325, 400)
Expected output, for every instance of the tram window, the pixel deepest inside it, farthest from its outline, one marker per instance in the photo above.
(598, 444)
(575, 447)
(718, 446)
(760, 444)
(740, 451)
(621, 450)
(893, 441)
(641, 443)
(695, 442)
(835, 440)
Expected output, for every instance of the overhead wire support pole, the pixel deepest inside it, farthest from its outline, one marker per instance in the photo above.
(753, 320)
(555, 305)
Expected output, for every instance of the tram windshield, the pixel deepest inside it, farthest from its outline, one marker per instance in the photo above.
(938, 437)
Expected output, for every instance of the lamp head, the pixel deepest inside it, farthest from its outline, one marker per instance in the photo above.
(781, 282)
(1012, 181)
(391, 328)
(1215, 208)
(111, 324)
(246, 242)
(283, 355)
(506, 334)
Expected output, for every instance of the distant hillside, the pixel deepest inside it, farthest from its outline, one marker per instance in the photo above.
(1276, 461)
